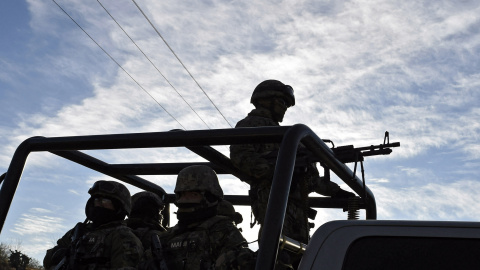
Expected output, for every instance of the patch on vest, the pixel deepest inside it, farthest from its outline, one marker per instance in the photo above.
(92, 239)
(189, 244)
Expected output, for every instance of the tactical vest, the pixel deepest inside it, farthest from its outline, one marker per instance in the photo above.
(90, 250)
(143, 235)
(193, 249)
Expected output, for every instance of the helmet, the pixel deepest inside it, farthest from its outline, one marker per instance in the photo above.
(225, 208)
(198, 178)
(146, 210)
(147, 197)
(112, 190)
(273, 88)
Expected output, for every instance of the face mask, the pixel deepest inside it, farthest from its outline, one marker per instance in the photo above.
(185, 218)
(278, 109)
(100, 215)
(278, 116)
(188, 207)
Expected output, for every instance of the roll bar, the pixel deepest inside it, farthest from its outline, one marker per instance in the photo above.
(199, 142)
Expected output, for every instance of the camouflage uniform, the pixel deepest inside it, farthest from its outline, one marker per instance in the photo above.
(212, 244)
(225, 208)
(145, 219)
(251, 159)
(103, 241)
(258, 161)
(109, 246)
(201, 239)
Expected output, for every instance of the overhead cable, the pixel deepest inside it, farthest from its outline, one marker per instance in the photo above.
(151, 62)
(119, 65)
(146, 17)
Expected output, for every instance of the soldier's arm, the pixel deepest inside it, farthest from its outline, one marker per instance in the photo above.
(328, 188)
(246, 158)
(232, 248)
(325, 188)
(251, 158)
(56, 254)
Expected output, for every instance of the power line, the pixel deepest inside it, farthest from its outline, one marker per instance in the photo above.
(151, 62)
(181, 62)
(119, 65)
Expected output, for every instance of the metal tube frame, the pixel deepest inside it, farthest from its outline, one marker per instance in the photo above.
(282, 178)
(199, 142)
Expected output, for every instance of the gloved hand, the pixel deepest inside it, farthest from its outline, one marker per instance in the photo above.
(263, 170)
(59, 255)
(343, 194)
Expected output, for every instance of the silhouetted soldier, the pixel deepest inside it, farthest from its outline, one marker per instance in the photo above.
(103, 241)
(271, 99)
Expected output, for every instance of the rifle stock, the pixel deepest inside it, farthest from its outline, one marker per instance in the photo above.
(158, 252)
(61, 265)
(69, 257)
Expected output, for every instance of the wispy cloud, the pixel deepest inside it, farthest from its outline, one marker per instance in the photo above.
(454, 201)
(358, 68)
(36, 222)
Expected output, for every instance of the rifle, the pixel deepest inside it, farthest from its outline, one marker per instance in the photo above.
(78, 232)
(157, 251)
(348, 153)
(61, 265)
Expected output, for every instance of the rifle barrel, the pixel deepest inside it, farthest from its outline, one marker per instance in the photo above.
(380, 146)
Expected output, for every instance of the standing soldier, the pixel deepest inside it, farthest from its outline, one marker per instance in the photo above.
(103, 241)
(201, 239)
(271, 99)
(146, 217)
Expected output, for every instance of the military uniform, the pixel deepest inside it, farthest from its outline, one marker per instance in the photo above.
(109, 246)
(201, 239)
(225, 208)
(271, 99)
(212, 244)
(253, 159)
(145, 218)
(103, 241)
(144, 232)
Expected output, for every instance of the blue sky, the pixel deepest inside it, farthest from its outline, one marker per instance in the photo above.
(359, 68)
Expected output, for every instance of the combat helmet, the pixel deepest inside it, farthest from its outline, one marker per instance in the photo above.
(225, 208)
(112, 190)
(198, 178)
(147, 197)
(273, 88)
(146, 211)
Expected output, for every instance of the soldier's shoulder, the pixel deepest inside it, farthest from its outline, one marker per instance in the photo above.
(120, 231)
(220, 224)
(218, 219)
(255, 121)
(257, 118)
(168, 233)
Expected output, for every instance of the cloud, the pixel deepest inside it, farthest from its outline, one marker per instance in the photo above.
(73, 192)
(358, 68)
(303, 59)
(36, 222)
(449, 201)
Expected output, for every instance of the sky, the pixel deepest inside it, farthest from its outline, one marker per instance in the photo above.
(358, 68)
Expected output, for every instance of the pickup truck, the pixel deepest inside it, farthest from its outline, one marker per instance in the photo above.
(348, 244)
(394, 244)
